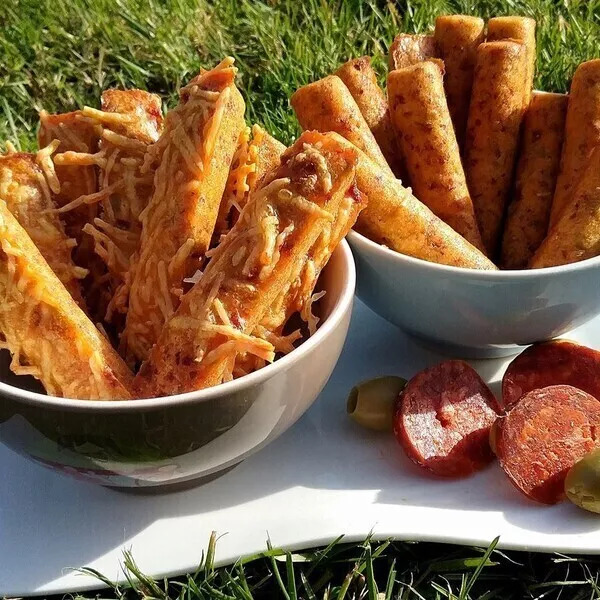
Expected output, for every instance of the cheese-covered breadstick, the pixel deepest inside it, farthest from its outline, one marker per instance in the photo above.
(75, 133)
(408, 49)
(519, 29)
(537, 169)
(48, 335)
(258, 259)
(193, 154)
(27, 182)
(495, 114)
(127, 124)
(327, 105)
(257, 154)
(424, 128)
(361, 81)
(457, 38)
(582, 133)
(576, 235)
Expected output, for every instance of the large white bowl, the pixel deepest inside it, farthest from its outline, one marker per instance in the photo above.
(475, 314)
(159, 442)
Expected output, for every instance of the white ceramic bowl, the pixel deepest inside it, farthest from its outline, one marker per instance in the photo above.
(159, 442)
(475, 314)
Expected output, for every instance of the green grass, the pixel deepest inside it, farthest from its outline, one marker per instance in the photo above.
(374, 571)
(60, 54)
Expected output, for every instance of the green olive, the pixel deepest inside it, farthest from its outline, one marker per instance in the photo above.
(582, 484)
(371, 403)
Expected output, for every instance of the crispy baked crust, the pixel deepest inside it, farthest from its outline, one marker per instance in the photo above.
(520, 29)
(130, 121)
(539, 157)
(48, 335)
(360, 79)
(26, 184)
(408, 49)
(327, 105)
(495, 114)
(259, 258)
(576, 235)
(582, 133)
(457, 38)
(193, 155)
(424, 128)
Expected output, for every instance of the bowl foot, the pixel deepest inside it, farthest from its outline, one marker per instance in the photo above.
(467, 352)
(178, 486)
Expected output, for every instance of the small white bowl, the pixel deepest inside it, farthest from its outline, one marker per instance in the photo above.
(475, 314)
(172, 441)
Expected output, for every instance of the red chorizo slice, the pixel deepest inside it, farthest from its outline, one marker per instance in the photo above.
(443, 419)
(544, 435)
(552, 363)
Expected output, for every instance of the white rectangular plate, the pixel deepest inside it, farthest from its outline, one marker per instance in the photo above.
(323, 478)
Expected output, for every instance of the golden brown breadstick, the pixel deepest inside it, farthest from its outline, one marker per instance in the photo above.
(48, 335)
(408, 49)
(495, 115)
(457, 38)
(537, 169)
(263, 253)
(129, 122)
(194, 155)
(75, 133)
(424, 128)
(361, 81)
(520, 29)
(582, 133)
(576, 235)
(327, 105)
(253, 159)
(26, 185)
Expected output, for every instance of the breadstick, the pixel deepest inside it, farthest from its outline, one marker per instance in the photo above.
(257, 260)
(457, 38)
(537, 169)
(327, 105)
(48, 335)
(408, 49)
(582, 133)
(194, 154)
(360, 79)
(253, 159)
(75, 133)
(424, 128)
(26, 185)
(576, 235)
(495, 114)
(129, 122)
(519, 29)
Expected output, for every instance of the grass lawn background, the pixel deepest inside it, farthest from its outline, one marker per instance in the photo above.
(60, 54)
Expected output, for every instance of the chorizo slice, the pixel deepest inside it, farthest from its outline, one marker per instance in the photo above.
(544, 435)
(551, 363)
(443, 419)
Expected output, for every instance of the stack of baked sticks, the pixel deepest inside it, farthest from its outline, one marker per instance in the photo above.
(512, 171)
(147, 257)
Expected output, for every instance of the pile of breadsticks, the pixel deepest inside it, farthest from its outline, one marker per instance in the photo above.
(144, 257)
(513, 172)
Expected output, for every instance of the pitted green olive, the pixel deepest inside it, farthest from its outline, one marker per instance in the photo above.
(582, 484)
(371, 403)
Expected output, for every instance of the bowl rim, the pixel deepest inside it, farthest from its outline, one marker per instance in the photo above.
(342, 304)
(357, 238)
